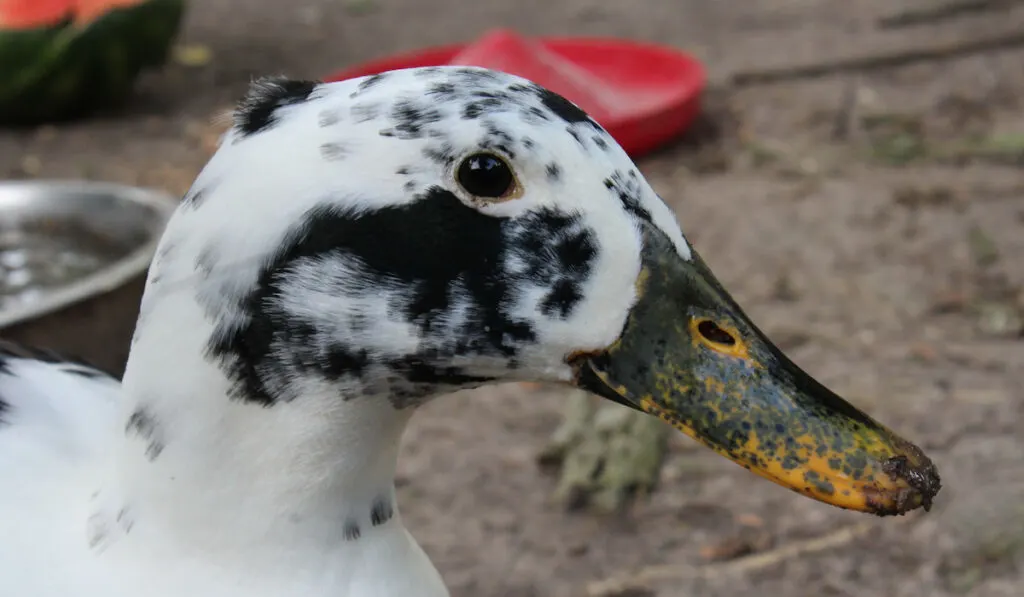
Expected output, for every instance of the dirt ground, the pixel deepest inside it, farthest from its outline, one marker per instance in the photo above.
(871, 221)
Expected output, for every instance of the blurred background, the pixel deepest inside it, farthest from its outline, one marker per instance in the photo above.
(855, 176)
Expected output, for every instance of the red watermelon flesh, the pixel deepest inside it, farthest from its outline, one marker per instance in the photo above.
(32, 14)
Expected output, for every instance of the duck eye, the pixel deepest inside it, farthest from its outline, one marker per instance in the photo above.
(486, 175)
(713, 333)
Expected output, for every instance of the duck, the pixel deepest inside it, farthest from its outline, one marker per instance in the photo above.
(351, 251)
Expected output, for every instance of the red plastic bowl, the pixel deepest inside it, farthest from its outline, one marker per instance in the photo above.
(643, 94)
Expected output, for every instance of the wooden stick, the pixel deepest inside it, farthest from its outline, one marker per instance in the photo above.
(651, 574)
(942, 12)
(878, 61)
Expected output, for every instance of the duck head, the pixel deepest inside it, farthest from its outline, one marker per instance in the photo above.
(405, 235)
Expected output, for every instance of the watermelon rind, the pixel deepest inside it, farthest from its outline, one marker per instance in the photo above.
(69, 71)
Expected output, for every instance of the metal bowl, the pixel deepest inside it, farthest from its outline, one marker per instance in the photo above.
(73, 263)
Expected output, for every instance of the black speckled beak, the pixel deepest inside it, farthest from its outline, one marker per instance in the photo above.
(690, 356)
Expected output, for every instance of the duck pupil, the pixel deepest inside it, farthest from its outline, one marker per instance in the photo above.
(485, 175)
(712, 332)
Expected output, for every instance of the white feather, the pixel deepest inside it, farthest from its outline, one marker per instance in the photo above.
(254, 501)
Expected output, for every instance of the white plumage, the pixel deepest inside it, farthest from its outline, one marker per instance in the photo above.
(304, 298)
(351, 251)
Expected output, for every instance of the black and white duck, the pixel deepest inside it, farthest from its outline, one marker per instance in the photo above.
(352, 251)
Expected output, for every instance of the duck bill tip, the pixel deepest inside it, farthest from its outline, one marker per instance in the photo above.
(688, 355)
(869, 470)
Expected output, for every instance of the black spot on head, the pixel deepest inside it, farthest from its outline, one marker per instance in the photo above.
(257, 111)
(372, 81)
(409, 119)
(142, 424)
(564, 109)
(427, 71)
(498, 139)
(628, 191)
(557, 253)
(442, 91)
(576, 136)
(492, 94)
(554, 171)
(576, 252)
(381, 512)
(97, 533)
(477, 108)
(329, 117)
(124, 519)
(340, 360)
(436, 247)
(563, 297)
(535, 114)
(334, 151)
(474, 77)
(351, 530)
(206, 259)
(194, 197)
(442, 154)
(483, 102)
(167, 248)
(366, 112)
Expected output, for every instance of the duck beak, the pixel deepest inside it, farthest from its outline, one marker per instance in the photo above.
(690, 356)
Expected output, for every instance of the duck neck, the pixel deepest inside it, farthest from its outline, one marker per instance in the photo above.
(216, 474)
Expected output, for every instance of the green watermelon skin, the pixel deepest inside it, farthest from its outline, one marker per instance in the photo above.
(64, 72)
